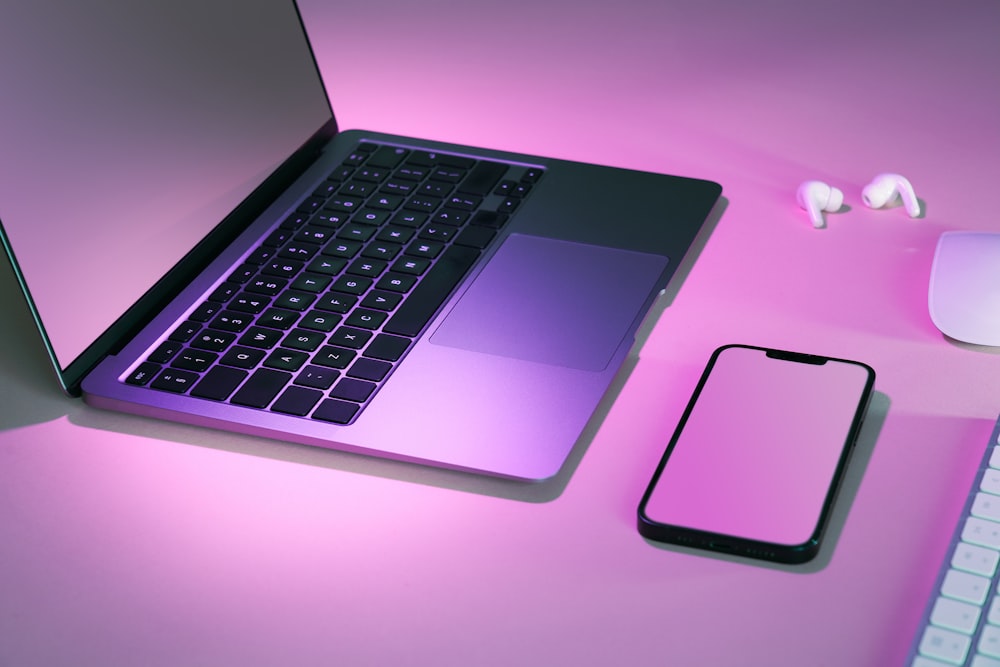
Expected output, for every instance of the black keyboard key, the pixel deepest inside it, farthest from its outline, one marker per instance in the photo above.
(476, 237)
(185, 332)
(317, 377)
(532, 175)
(338, 412)
(428, 296)
(334, 357)
(342, 248)
(508, 205)
(143, 373)
(457, 161)
(463, 202)
(212, 340)
(388, 348)
(219, 383)
(449, 175)
(265, 287)
(336, 303)
(396, 282)
(422, 204)
(260, 338)
(413, 266)
(301, 339)
(483, 177)
(350, 285)
(165, 352)
(249, 303)
(326, 266)
(231, 320)
(205, 311)
(195, 360)
(491, 219)
(297, 401)
(366, 319)
(369, 369)
(224, 292)
(292, 300)
(319, 321)
(311, 282)
(409, 219)
(452, 216)
(379, 300)
(424, 249)
(177, 381)
(283, 268)
(242, 357)
(261, 388)
(275, 318)
(351, 389)
(286, 360)
(386, 157)
(350, 337)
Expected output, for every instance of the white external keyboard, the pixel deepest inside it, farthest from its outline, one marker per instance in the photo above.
(961, 625)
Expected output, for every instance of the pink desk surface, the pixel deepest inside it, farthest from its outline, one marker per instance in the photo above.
(125, 541)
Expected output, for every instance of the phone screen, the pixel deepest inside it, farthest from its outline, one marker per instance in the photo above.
(758, 454)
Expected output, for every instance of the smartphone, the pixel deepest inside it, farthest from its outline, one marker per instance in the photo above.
(755, 462)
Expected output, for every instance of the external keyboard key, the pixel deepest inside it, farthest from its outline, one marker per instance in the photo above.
(986, 506)
(965, 587)
(261, 388)
(989, 641)
(983, 532)
(946, 645)
(954, 615)
(432, 291)
(991, 482)
(977, 560)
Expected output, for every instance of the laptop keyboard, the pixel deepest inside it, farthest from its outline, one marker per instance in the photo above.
(961, 624)
(316, 318)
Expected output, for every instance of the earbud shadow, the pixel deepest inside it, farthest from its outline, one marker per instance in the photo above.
(844, 208)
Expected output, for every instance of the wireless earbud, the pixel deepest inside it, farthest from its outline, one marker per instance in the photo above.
(884, 189)
(817, 197)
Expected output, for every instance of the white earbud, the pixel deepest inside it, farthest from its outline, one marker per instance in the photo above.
(817, 197)
(884, 189)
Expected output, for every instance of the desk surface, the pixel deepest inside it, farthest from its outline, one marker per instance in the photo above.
(127, 541)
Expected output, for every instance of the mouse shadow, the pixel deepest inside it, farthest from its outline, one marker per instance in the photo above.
(864, 448)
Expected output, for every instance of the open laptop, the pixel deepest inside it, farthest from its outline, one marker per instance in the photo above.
(199, 242)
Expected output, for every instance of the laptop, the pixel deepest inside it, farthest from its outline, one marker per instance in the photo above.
(198, 241)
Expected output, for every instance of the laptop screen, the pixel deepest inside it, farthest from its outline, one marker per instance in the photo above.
(128, 131)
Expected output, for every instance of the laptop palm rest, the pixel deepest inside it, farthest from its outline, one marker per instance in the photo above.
(552, 301)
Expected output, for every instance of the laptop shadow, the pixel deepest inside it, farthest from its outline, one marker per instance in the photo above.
(35, 397)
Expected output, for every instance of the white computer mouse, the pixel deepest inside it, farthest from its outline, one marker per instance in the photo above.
(964, 294)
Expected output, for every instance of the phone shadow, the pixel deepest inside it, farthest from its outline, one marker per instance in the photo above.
(864, 448)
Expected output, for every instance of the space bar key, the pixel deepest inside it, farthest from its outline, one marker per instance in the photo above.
(427, 297)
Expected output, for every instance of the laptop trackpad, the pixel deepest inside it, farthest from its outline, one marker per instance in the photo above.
(552, 301)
